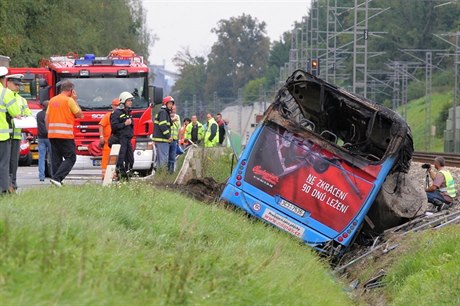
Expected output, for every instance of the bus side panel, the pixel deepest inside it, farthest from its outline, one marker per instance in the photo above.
(261, 210)
(302, 188)
(331, 191)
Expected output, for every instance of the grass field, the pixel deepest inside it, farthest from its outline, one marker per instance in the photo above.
(416, 120)
(428, 273)
(137, 245)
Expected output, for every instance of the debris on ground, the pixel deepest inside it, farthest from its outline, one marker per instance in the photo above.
(203, 189)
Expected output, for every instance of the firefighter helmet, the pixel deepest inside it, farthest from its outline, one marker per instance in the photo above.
(3, 71)
(168, 99)
(125, 96)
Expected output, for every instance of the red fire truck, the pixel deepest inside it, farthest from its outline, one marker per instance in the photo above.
(98, 80)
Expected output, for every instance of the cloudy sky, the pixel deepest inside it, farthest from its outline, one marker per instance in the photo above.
(182, 23)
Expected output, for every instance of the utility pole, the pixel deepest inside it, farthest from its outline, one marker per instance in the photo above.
(404, 76)
(331, 39)
(456, 89)
(396, 86)
(304, 55)
(240, 111)
(293, 52)
(428, 75)
(314, 29)
(360, 47)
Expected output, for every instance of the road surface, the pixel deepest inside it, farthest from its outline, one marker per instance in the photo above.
(27, 177)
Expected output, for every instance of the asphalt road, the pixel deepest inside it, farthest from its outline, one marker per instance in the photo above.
(27, 177)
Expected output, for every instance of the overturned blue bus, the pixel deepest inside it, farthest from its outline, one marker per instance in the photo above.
(317, 161)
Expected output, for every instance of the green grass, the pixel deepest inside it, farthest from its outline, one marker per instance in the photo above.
(137, 245)
(218, 166)
(215, 164)
(428, 273)
(416, 120)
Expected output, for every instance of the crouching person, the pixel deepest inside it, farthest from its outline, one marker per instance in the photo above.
(441, 192)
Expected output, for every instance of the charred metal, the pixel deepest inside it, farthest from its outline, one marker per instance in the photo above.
(361, 131)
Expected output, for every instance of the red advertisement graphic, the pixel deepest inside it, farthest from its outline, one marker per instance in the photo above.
(304, 174)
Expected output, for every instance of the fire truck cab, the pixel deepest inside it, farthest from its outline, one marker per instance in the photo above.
(99, 80)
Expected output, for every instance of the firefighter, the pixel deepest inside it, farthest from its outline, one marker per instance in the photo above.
(122, 126)
(162, 131)
(9, 108)
(105, 130)
(14, 82)
(211, 136)
(60, 117)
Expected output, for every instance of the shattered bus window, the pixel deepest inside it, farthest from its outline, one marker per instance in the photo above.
(316, 163)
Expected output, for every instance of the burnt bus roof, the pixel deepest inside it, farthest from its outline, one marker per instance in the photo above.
(361, 131)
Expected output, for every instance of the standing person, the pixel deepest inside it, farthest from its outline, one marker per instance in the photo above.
(442, 190)
(122, 125)
(60, 117)
(211, 136)
(221, 123)
(194, 131)
(14, 82)
(9, 108)
(105, 130)
(182, 141)
(162, 131)
(175, 126)
(44, 145)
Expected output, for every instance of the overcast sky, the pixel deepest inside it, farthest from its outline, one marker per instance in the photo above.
(182, 23)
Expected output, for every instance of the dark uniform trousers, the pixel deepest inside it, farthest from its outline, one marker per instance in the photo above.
(126, 156)
(5, 155)
(63, 157)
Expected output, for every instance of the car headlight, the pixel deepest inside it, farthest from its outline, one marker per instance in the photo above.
(147, 145)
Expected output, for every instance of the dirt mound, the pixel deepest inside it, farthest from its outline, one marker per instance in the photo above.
(203, 189)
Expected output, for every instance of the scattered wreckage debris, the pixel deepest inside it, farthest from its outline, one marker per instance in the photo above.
(376, 281)
(388, 240)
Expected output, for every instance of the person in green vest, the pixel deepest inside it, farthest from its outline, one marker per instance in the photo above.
(194, 131)
(14, 82)
(211, 136)
(441, 192)
(9, 108)
(175, 127)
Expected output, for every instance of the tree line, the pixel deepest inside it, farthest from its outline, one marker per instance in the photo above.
(34, 29)
(243, 60)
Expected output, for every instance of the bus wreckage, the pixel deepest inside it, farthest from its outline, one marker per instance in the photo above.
(326, 165)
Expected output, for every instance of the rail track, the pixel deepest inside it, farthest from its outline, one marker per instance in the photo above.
(452, 159)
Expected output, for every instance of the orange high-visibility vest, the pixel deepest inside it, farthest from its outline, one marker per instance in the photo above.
(60, 118)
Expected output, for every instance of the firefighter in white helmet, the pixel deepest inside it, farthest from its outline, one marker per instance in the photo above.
(122, 125)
